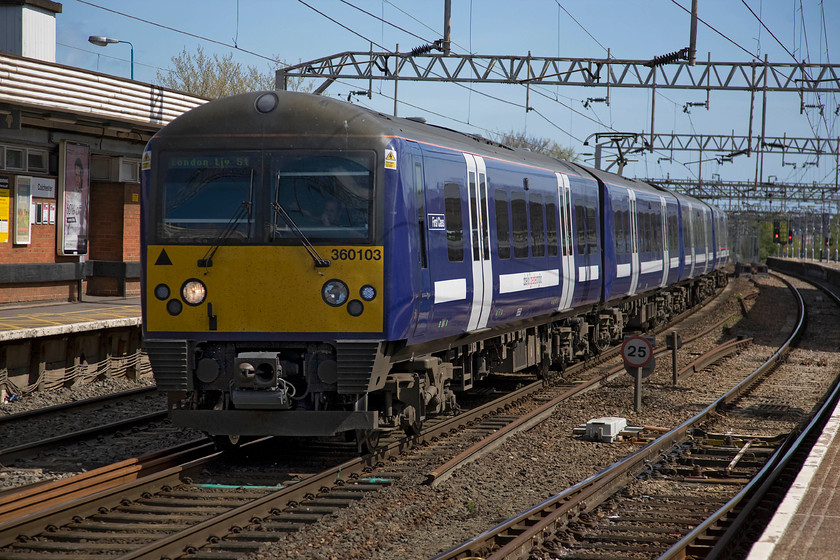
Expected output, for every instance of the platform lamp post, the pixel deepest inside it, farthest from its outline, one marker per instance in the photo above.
(100, 41)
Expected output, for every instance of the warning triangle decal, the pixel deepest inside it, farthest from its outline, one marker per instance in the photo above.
(163, 258)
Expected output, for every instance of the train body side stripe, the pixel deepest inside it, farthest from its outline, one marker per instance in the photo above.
(651, 266)
(522, 281)
(451, 290)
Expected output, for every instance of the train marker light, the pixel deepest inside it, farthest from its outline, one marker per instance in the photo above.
(367, 292)
(355, 308)
(162, 292)
(174, 307)
(266, 102)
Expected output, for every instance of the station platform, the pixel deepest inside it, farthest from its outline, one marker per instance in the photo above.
(807, 523)
(39, 320)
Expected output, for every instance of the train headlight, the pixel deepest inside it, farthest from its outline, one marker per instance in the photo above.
(335, 292)
(193, 292)
(367, 292)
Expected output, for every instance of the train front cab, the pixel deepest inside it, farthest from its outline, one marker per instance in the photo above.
(247, 328)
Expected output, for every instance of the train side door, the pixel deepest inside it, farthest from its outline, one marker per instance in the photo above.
(690, 253)
(482, 268)
(424, 305)
(449, 260)
(568, 259)
(634, 244)
(663, 249)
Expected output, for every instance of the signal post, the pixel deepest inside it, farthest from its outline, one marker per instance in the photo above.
(637, 353)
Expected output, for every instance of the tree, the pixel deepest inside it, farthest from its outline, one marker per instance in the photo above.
(218, 76)
(542, 145)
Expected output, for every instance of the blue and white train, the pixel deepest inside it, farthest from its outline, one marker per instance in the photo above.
(311, 267)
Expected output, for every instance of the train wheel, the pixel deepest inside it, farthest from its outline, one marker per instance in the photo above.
(367, 441)
(226, 443)
(414, 428)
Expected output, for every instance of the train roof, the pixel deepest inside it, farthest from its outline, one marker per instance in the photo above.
(320, 116)
(315, 117)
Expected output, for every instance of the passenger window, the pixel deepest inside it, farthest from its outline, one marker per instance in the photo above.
(580, 221)
(537, 226)
(657, 232)
(651, 238)
(454, 222)
(485, 226)
(502, 225)
(551, 226)
(520, 225)
(591, 231)
(421, 212)
(620, 240)
(673, 236)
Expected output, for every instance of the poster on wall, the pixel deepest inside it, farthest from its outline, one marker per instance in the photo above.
(73, 198)
(5, 205)
(23, 210)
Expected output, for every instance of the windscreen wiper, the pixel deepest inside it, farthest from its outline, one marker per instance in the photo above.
(243, 210)
(319, 262)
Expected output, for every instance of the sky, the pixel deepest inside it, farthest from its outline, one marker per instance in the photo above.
(257, 31)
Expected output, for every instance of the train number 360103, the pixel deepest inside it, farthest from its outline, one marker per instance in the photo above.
(357, 254)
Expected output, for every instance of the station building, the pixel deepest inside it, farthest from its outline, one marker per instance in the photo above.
(71, 144)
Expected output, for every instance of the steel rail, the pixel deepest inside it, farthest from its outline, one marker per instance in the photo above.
(41, 497)
(29, 449)
(526, 528)
(767, 479)
(113, 491)
(714, 355)
(34, 413)
(487, 444)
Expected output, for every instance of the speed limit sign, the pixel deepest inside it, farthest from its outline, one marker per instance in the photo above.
(637, 351)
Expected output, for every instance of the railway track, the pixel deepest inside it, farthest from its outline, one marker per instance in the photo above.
(691, 493)
(165, 520)
(58, 426)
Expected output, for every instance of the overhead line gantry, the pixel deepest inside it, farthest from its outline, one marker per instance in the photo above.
(551, 71)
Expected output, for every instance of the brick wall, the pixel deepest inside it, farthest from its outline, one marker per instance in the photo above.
(47, 291)
(114, 236)
(106, 222)
(40, 250)
(131, 224)
(114, 232)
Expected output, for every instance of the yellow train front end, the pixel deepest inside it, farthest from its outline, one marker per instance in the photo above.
(266, 290)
